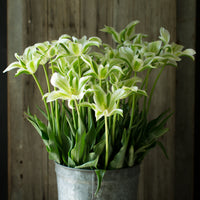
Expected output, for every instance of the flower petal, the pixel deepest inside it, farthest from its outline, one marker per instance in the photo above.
(56, 95)
(60, 82)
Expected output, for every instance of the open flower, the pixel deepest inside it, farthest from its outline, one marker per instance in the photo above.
(70, 87)
(27, 66)
(105, 104)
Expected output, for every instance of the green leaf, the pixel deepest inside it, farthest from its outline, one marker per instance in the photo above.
(122, 35)
(131, 156)
(89, 164)
(52, 52)
(99, 97)
(95, 39)
(92, 41)
(116, 111)
(99, 147)
(31, 67)
(116, 69)
(43, 113)
(75, 48)
(77, 152)
(64, 36)
(88, 60)
(82, 81)
(81, 126)
(59, 81)
(154, 46)
(100, 174)
(153, 123)
(189, 52)
(71, 126)
(126, 53)
(56, 95)
(113, 32)
(20, 59)
(129, 82)
(71, 163)
(118, 161)
(43, 47)
(137, 64)
(42, 134)
(158, 132)
(164, 35)
(53, 153)
(12, 66)
(103, 72)
(22, 71)
(131, 29)
(163, 149)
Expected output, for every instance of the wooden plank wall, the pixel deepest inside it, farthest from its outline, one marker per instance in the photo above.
(3, 103)
(31, 174)
(185, 104)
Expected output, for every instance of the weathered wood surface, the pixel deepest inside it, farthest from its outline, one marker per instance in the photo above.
(31, 174)
(185, 104)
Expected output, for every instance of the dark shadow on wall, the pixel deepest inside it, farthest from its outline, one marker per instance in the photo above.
(197, 108)
(3, 103)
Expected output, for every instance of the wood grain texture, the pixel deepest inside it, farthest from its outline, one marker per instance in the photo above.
(31, 174)
(185, 104)
(28, 157)
(94, 15)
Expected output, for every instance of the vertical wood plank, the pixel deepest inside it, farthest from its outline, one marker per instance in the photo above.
(94, 15)
(27, 155)
(3, 103)
(16, 44)
(185, 108)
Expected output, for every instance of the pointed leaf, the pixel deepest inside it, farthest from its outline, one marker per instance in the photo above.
(100, 174)
(12, 66)
(59, 81)
(164, 35)
(90, 164)
(163, 149)
(113, 32)
(56, 95)
(189, 52)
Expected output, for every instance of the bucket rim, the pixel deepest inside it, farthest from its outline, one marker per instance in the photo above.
(93, 170)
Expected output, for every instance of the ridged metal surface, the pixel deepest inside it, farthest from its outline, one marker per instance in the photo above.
(76, 184)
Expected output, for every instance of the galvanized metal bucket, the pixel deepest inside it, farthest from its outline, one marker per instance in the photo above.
(81, 184)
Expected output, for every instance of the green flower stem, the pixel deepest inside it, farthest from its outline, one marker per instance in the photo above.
(100, 82)
(79, 67)
(113, 126)
(107, 86)
(153, 88)
(78, 111)
(49, 90)
(76, 104)
(42, 94)
(132, 112)
(107, 148)
(74, 118)
(79, 116)
(145, 82)
(63, 109)
(56, 111)
(57, 122)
